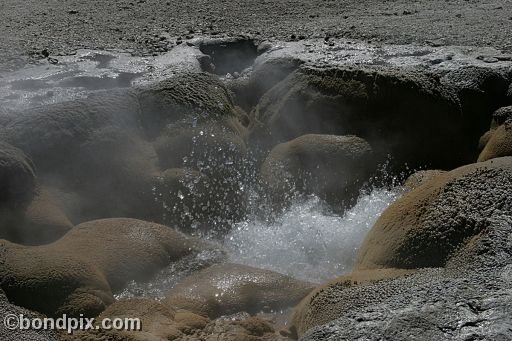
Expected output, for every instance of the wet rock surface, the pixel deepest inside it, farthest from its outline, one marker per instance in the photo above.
(402, 105)
(332, 167)
(467, 298)
(226, 289)
(157, 322)
(160, 322)
(418, 178)
(78, 273)
(187, 121)
(499, 143)
(428, 224)
(41, 222)
(17, 177)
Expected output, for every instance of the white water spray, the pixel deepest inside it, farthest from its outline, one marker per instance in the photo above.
(306, 242)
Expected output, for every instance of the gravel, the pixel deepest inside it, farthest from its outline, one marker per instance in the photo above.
(31, 29)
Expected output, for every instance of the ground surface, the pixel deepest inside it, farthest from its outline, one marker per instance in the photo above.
(31, 28)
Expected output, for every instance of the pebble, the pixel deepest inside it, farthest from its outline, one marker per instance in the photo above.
(490, 60)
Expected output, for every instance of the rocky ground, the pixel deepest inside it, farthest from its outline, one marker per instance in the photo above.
(34, 29)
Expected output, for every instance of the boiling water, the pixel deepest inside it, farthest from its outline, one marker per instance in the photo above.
(307, 242)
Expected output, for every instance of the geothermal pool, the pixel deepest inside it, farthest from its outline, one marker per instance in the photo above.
(306, 241)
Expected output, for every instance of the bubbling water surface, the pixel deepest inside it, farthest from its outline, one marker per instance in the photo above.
(307, 242)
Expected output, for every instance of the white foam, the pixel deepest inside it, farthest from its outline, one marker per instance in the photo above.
(306, 242)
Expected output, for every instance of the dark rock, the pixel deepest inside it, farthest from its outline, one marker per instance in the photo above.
(230, 54)
(332, 167)
(480, 91)
(17, 178)
(501, 116)
(7, 333)
(110, 148)
(373, 103)
(41, 222)
(265, 75)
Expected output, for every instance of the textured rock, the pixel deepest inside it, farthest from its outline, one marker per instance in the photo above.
(428, 224)
(480, 91)
(91, 147)
(324, 303)
(266, 73)
(156, 322)
(499, 143)
(496, 141)
(332, 167)
(78, 273)
(42, 222)
(17, 178)
(375, 104)
(113, 175)
(238, 327)
(160, 322)
(231, 288)
(500, 116)
(187, 98)
(53, 135)
(15, 334)
(25, 218)
(469, 299)
(110, 148)
(418, 178)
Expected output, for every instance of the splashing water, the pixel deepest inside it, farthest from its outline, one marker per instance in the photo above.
(306, 242)
(168, 277)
